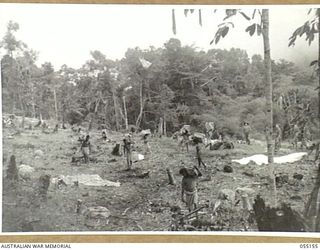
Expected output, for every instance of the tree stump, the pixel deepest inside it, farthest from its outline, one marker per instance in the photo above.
(172, 181)
(43, 185)
(278, 219)
(116, 150)
(12, 171)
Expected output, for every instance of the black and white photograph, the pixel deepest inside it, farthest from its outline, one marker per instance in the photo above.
(160, 118)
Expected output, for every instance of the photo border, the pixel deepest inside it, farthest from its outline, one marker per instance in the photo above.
(158, 237)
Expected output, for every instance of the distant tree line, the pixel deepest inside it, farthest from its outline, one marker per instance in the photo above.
(173, 84)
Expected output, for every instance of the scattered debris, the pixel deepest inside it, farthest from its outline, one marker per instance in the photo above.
(97, 216)
(143, 175)
(296, 198)
(227, 169)
(39, 153)
(25, 172)
(87, 179)
(61, 183)
(248, 173)
(297, 176)
(125, 211)
(281, 179)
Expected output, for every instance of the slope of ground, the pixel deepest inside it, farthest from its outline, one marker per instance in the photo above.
(138, 204)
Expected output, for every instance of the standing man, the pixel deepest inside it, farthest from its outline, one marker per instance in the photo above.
(145, 139)
(185, 138)
(246, 132)
(127, 150)
(189, 191)
(198, 156)
(296, 135)
(86, 148)
(304, 134)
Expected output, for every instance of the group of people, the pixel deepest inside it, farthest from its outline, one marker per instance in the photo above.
(127, 145)
(190, 176)
(299, 134)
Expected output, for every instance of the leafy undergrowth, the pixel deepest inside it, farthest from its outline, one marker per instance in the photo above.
(139, 204)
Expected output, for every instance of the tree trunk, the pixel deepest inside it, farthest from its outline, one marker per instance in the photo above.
(160, 127)
(106, 113)
(269, 101)
(141, 108)
(164, 127)
(13, 104)
(115, 110)
(90, 123)
(55, 104)
(125, 112)
(269, 87)
(312, 208)
(33, 109)
(20, 102)
(23, 120)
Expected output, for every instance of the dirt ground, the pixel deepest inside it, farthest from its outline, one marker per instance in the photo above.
(140, 203)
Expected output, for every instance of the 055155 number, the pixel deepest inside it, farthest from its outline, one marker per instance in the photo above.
(309, 246)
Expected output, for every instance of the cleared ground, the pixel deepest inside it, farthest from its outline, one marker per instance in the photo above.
(139, 204)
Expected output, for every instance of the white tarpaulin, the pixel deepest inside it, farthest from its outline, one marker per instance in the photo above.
(263, 159)
(87, 179)
(137, 157)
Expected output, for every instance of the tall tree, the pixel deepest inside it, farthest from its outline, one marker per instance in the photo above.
(10, 68)
(259, 27)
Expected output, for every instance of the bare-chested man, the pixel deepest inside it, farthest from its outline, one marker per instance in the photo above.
(189, 191)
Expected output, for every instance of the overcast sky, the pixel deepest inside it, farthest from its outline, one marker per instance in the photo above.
(65, 34)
